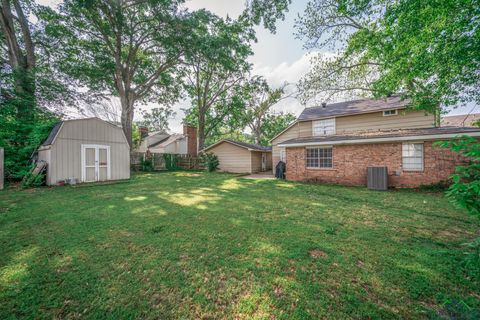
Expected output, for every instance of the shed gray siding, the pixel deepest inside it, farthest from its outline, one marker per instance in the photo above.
(64, 154)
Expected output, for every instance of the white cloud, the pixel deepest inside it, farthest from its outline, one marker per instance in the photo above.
(290, 73)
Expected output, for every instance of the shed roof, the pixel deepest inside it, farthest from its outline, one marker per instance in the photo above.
(353, 107)
(383, 136)
(56, 129)
(249, 146)
(52, 134)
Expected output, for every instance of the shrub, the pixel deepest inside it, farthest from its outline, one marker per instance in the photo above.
(30, 180)
(147, 164)
(171, 161)
(465, 190)
(210, 161)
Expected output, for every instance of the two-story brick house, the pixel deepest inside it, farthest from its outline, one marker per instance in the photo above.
(336, 143)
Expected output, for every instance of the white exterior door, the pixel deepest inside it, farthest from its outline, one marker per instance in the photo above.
(95, 163)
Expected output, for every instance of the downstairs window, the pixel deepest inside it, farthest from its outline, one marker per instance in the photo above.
(412, 156)
(320, 157)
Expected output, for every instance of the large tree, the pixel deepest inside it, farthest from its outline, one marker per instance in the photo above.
(426, 50)
(259, 98)
(214, 71)
(265, 12)
(18, 53)
(29, 83)
(157, 119)
(128, 49)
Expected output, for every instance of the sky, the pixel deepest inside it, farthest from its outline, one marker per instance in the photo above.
(278, 57)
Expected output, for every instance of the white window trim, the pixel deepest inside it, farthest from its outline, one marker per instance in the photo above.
(316, 121)
(390, 114)
(319, 168)
(423, 157)
(283, 155)
(97, 162)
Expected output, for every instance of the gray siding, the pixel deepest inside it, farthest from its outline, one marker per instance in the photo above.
(65, 152)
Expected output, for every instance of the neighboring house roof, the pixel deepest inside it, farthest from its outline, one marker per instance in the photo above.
(353, 107)
(463, 120)
(384, 136)
(248, 146)
(158, 142)
(168, 140)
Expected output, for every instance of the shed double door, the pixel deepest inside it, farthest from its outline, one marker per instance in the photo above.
(95, 163)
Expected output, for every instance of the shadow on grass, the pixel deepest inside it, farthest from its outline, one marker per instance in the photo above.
(197, 245)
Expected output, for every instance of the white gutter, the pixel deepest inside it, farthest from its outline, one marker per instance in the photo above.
(385, 139)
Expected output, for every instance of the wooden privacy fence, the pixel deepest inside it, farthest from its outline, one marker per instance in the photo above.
(184, 161)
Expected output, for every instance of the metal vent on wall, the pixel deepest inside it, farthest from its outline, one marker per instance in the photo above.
(377, 178)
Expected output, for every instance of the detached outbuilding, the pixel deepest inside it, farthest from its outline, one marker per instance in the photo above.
(85, 150)
(241, 157)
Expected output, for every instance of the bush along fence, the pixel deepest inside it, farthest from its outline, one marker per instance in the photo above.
(142, 161)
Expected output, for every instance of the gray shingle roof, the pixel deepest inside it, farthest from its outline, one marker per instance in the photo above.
(251, 145)
(353, 107)
(255, 147)
(384, 134)
(463, 120)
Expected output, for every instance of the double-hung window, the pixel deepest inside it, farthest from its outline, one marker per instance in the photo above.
(323, 127)
(320, 157)
(412, 156)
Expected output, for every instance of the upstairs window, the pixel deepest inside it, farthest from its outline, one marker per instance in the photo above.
(320, 157)
(389, 113)
(323, 127)
(412, 156)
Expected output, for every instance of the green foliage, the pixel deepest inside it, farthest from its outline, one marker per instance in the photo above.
(465, 190)
(274, 124)
(171, 161)
(216, 65)
(136, 136)
(425, 50)
(265, 12)
(31, 180)
(210, 161)
(128, 49)
(259, 117)
(147, 164)
(157, 118)
(20, 138)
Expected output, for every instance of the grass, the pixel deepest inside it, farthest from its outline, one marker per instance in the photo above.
(197, 245)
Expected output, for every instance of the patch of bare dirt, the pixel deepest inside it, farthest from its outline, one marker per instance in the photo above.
(316, 253)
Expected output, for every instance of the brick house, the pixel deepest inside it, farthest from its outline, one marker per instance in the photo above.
(336, 143)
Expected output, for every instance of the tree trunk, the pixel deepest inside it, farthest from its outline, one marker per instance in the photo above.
(258, 135)
(201, 131)
(127, 118)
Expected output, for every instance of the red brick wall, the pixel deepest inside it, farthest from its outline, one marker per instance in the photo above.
(191, 133)
(350, 164)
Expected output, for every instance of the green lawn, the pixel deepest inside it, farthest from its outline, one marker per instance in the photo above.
(196, 245)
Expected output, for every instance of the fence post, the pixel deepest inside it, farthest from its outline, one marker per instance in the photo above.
(2, 172)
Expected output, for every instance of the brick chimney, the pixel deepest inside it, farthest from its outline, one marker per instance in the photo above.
(143, 131)
(191, 133)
